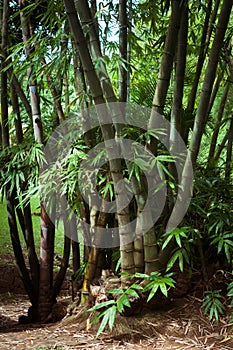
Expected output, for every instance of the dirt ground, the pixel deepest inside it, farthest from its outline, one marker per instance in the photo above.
(180, 326)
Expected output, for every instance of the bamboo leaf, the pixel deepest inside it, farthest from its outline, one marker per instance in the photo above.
(120, 306)
(163, 289)
(136, 286)
(132, 292)
(116, 291)
(172, 261)
(178, 240)
(104, 322)
(112, 315)
(101, 305)
(169, 238)
(153, 291)
(124, 300)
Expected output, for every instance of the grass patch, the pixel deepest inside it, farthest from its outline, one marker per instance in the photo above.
(5, 240)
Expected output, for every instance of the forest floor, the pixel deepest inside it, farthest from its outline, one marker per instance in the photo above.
(182, 326)
(179, 325)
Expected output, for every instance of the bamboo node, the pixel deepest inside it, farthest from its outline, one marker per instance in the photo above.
(150, 260)
(150, 244)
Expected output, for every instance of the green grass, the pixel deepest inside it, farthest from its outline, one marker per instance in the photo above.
(5, 240)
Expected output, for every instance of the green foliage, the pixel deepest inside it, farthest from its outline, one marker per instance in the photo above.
(210, 213)
(178, 234)
(184, 238)
(223, 242)
(113, 306)
(19, 167)
(143, 93)
(123, 297)
(219, 221)
(79, 273)
(213, 305)
(157, 282)
(5, 244)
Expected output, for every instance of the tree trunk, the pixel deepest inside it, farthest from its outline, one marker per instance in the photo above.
(201, 58)
(17, 86)
(86, 17)
(165, 69)
(94, 16)
(25, 217)
(47, 227)
(66, 253)
(200, 122)
(130, 16)
(176, 113)
(123, 50)
(16, 244)
(201, 117)
(215, 91)
(140, 197)
(98, 220)
(217, 125)
(33, 90)
(17, 119)
(221, 147)
(159, 100)
(55, 94)
(4, 97)
(94, 251)
(14, 234)
(32, 256)
(46, 249)
(108, 134)
(228, 168)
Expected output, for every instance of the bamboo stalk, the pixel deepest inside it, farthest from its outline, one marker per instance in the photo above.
(108, 135)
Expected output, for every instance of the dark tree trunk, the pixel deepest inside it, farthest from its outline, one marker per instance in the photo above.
(93, 13)
(180, 65)
(16, 244)
(25, 216)
(64, 264)
(16, 110)
(202, 53)
(55, 94)
(165, 68)
(221, 147)
(75, 245)
(32, 256)
(46, 256)
(228, 168)
(4, 97)
(130, 16)
(123, 50)
(66, 252)
(47, 227)
(217, 125)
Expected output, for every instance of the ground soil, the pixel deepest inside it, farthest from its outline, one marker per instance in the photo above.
(179, 325)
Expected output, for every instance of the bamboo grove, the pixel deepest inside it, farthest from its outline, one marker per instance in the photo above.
(171, 58)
